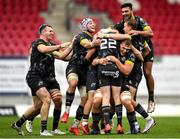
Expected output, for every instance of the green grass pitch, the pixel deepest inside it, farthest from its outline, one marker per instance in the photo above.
(166, 127)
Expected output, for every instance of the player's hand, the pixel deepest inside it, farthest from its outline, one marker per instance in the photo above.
(103, 61)
(96, 42)
(101, 35)
(111, 58)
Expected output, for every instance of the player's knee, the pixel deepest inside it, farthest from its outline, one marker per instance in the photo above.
(126, 98)
(90, 97)
(147, 72)
(126, 102)
(73, 83)
(83, 100)
(47, 101)
(72, 80)
(97, 102)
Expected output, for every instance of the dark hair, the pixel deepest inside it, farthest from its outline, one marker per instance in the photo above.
(132, 23)
(127, 42)
(126, 5)
(42, 27)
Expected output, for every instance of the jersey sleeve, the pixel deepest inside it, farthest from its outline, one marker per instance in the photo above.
(82, 37)
(144, 24)
(40, 42)
(36, 43)
(130, 58)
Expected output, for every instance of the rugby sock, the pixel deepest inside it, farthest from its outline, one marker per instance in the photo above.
(85, 119)
(151, 95)
(56, 115)
(141, 111)
(69, 100)
(96, 118)
(118, 110)
(79, 113)
(111, 114)
(102, 125)
(43, 125)
(106, 113)
(131, 116)
(21, 121)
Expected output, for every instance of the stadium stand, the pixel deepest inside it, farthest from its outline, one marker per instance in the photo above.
(162, 16)
(19, 20)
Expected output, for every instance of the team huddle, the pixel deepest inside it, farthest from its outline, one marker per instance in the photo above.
(106, 67)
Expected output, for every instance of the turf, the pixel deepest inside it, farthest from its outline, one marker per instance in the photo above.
(166, 127)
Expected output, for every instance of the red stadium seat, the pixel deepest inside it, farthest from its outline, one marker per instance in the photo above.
(166, 30)
(19, 20)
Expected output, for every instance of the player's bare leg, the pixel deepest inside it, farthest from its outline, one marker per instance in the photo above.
(147, 68)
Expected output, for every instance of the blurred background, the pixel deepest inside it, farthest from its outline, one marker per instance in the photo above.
(20, 19)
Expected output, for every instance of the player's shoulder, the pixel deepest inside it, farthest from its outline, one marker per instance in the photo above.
(140, 19)
(130, 55)
(38, 40)
(80, 35)
(84, 35)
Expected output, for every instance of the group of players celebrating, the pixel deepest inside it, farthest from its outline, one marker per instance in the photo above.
(106, 67)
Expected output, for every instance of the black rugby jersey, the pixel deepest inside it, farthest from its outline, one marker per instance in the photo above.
(41, 64)
(108, 47)
(141, 23)
(138, 42)
(79, 52)
(137, 63)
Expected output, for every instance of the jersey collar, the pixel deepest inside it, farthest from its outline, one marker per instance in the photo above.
(88, 33)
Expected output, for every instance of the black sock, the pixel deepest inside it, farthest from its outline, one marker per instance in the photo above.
(102, 125)
(111, 114)
(96, 118)
(141, 111)
(20, 122)
(85, 116)
(106, 113)
(56, 115)
(151, 95)
(69, 98)
(43, 125)
(118, 110)
(131, 116)
(79, 113)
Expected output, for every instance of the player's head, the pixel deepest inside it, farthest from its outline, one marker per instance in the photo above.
(87, 24)
(46, 31)
(129, 25)
(125, 46)
(127, 11)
